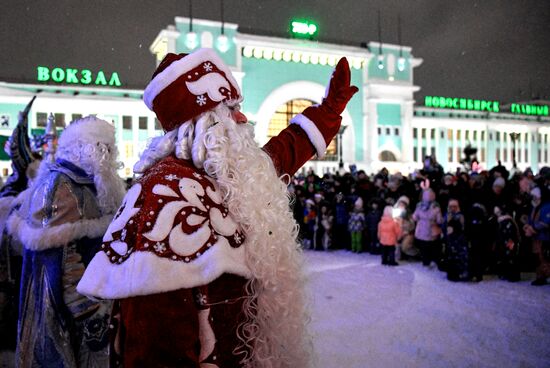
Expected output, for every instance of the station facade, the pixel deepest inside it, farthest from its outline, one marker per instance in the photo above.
(279, 77)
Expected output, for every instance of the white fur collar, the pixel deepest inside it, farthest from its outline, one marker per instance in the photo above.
(35, 238)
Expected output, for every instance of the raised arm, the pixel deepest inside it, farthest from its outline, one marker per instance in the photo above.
(311, 131)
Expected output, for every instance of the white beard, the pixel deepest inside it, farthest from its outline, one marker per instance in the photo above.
(258, 200)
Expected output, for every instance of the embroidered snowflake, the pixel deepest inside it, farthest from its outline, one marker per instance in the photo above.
(159, 247)
(207, 67)
(201, 299)
(123, 234)
(238, 238)
(201, 100)
(171, 177)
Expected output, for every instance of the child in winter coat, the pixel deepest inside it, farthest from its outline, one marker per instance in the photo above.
(372, 219)
(310, 215)
(323, 228)
(389, 232)
(507, 245)
(356, 225)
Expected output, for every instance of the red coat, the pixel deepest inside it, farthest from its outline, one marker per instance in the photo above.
(388, 231)
(169, 289)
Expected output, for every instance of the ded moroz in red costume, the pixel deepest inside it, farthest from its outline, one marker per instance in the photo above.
(202, 256)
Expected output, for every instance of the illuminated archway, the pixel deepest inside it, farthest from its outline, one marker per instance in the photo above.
(387, 156)
(300, 90)
(281, 119)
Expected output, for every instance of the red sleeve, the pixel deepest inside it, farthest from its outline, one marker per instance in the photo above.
(290, 150)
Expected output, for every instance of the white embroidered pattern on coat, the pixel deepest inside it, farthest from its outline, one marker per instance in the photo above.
(184, 219)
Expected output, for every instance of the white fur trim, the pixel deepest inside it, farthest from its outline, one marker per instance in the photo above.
(313, 133)
(143, 273)
(41, 238)
(179, 67)
(6, 204)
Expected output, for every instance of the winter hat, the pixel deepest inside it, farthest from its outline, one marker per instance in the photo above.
(499, 182)
(404, 199)
(187, 85)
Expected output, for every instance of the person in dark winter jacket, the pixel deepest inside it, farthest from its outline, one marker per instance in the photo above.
(340, 227)
(507, 245)
(456, 250)
(477, 230)
(372, 219)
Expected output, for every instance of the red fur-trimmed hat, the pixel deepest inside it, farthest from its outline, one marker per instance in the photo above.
(186, 85)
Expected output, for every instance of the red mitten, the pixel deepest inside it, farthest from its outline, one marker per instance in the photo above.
(322, 122)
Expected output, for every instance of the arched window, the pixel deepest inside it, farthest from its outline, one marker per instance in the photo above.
(281, 119)
(387, 156)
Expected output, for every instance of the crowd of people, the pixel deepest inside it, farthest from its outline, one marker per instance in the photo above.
(469, 223)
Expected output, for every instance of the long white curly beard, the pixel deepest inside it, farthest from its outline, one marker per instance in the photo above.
(274, 334)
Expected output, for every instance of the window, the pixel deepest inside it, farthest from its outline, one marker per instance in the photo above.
(5, 172)
(157, 124)
(545, 138)
(545, 155)
(498, 136)
(388, 131)
(450, 134)
(142, 122)
(526, 155)
(475, 135)
(539, 156)
(75, 117)
(127, 122)
(423, 152)
(432, 151)
(467, 135)
(458, 134)
(483, 154)
(442, 135)
(539, 138)
(497, 155)
(396, 131)
(505, 154)
(129, 150)
(423, 134)
(415, 154)
(432, 134)
(379, 131)
(59, 120)
(415, 133)
(450, 154)
(41, 119)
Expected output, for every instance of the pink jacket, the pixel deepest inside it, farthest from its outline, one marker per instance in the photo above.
(388, 231)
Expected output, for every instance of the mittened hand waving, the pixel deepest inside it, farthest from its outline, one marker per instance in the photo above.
(322, 122)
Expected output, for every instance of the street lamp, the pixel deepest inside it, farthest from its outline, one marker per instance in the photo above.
(340, 152)
(514, 137)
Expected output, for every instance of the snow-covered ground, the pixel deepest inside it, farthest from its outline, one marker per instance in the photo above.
(368, 315)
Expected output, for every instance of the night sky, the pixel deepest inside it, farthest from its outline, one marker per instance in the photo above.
(486, 49)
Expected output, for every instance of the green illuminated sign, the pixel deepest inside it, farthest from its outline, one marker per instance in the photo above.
(524, 109)
(461, 103)
(303, 28)
(483, 105)
(75, 76)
